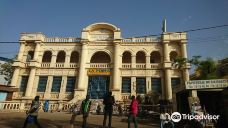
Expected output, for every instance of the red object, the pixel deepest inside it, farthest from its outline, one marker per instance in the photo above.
(134, 107)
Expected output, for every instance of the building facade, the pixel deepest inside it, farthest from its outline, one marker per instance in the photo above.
(68, 69)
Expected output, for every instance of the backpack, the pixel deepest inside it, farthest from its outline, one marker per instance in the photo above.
(85, 106)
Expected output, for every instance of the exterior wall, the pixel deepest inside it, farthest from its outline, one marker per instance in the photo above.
(97, 37)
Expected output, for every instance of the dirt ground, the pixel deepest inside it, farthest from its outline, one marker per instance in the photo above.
(62, 119)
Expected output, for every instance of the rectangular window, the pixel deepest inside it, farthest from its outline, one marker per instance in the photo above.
(24, 81)
(141, 85)
(56, 84)
(156, 85)
(126, 84)
(42, 84)
(175, 82)
(70, 84)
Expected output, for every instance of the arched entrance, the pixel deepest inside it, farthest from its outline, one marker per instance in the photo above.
(99, 77)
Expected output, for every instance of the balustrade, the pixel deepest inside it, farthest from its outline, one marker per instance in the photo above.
(141, 65)
(59, 65)
(45, 65)
(54, 95)
(126, 65)
(99, 65)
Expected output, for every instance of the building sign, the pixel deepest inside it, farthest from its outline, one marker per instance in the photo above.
(95, 71)
(101, 34)
(206, 84)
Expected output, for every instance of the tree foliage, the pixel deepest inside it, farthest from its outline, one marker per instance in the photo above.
(6, 69)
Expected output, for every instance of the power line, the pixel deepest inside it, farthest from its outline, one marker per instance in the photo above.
(191, 30)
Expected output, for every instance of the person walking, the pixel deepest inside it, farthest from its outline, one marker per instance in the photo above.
(32, 113)
(108, 102)
(75, 112)
(133, 112)
(46, 106)
(85, 108)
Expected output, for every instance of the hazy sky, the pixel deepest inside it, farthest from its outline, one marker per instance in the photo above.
(66, 18)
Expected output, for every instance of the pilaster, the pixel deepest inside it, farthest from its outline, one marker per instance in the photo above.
(47, 94)
(30, 83)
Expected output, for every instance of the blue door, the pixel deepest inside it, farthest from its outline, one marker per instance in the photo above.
(98, 86)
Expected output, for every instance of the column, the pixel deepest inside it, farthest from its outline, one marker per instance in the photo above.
(168, 85)
(133, 61)
(82, 70)
(133, 86)
(67, 60)
(147, 61)
(21, 51)
(166, 51)
(53, 59)
(35, 86)
(30, 82)
(47, 93)
(15, 77)
(37, 50)
(63, 88)
(116, 70)
(148, 84)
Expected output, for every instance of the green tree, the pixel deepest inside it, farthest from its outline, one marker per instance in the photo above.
(207, 69)
(6, 69)
(179, 62)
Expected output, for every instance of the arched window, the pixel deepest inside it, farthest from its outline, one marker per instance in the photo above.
(30, 55)
(47, 57)
(61, 57)
(100, 57)
(74, 57)
(173, 55)
(126, 57)
(140, 57)
(155, 57)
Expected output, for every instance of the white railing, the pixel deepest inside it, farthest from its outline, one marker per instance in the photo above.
(126, 65)
(69, 96)
(41, 94)
(10, 105)
(17, 95)
(142, 39)
(26, 64)
(141, 65)
(155, 66)
(54, 95)
(99, 65)
(73, 65)
(45, 65)
(57, 39)
(59, 65)
(125, 96)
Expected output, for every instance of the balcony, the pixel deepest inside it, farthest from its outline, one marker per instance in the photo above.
(54, 95)
(45, 65)
(126, 65)
(141, 65)
(99, 65)
(59, 65)
(73, 65)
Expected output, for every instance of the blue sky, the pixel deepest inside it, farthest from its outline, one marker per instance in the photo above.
(66, 18)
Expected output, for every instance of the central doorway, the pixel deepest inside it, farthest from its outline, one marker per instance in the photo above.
(98, 86)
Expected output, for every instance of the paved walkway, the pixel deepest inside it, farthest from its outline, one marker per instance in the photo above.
(61, 120)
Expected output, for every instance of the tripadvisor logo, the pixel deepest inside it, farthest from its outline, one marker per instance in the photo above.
(176, 117)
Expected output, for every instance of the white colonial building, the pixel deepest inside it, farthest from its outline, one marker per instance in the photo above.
(68, 69)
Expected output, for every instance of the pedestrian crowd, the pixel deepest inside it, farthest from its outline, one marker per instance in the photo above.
(108, 102)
